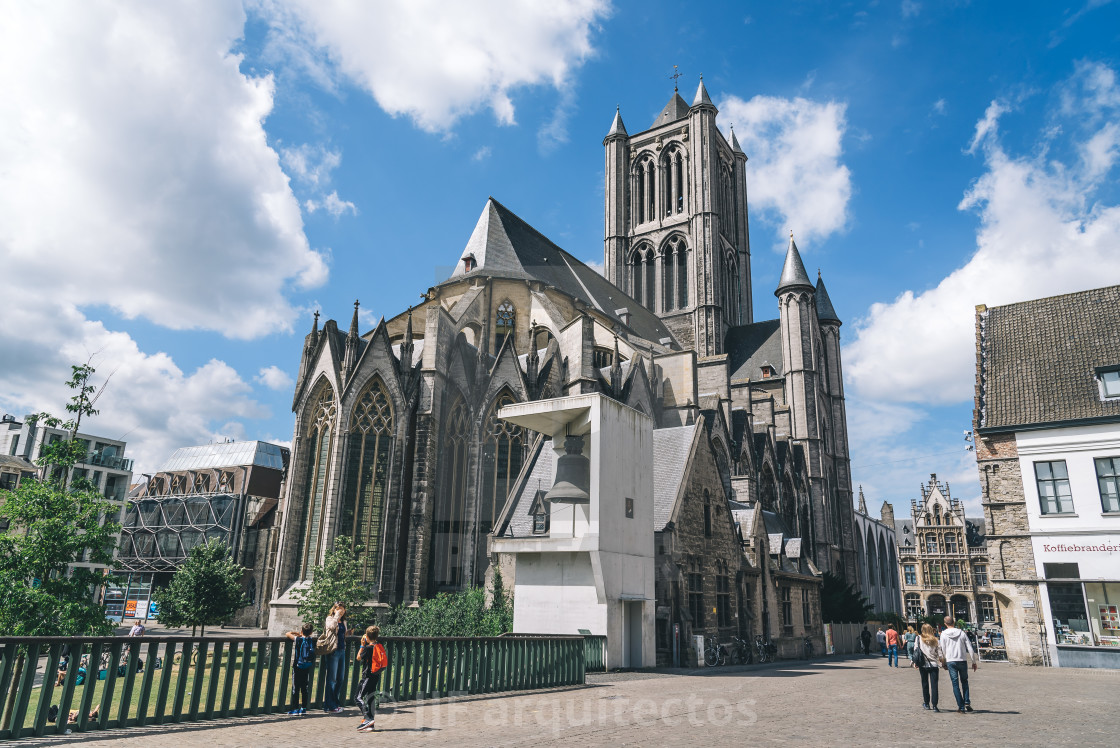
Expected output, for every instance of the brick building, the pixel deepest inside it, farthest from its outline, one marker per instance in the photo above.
(1047, 422)
(397, 441)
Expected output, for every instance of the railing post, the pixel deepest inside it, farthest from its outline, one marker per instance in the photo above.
(285, 672)
(269, 705)
(46, 690)
(145, 685)
(125, 705)
(23, 695)
(258, 671)
(227, 685)
(181, 681)
(92, 671)
(243, 679)
(68, 684)
(200, 664)
(215, 677)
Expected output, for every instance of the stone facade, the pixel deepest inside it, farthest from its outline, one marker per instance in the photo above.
(877, 559)
(944, 560)
(397, 443)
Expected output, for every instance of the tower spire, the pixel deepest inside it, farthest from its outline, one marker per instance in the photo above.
(354, 321)
(793, 272)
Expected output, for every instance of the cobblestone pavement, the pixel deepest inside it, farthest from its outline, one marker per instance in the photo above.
(854, 701)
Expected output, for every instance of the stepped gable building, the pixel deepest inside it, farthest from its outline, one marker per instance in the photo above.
(397, 443)
(944, 560)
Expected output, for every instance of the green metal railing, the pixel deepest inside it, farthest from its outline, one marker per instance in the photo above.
(212, 677)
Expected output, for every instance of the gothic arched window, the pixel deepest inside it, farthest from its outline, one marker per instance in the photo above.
(503, 449)
(641, 267)
(682, 275)
(319, 433)
(503, 320)
(367, 475)
(450, 524)
(674, 279)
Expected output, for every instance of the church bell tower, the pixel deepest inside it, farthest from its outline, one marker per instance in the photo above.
(675, 230)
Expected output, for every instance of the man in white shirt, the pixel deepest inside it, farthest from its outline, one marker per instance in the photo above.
(958, 653)
(881, 637)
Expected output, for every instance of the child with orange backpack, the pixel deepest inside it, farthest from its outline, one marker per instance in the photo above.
(372, 659)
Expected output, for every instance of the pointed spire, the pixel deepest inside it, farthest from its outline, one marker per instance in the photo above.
(354, 321)
(825, 311)
(616, 371)
(406, 345)
(702, 98)
(735, 142)
(862, 501)
(617, 128)
(315, 325)
(793, 272)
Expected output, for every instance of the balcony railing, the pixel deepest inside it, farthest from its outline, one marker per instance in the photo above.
(109, 461)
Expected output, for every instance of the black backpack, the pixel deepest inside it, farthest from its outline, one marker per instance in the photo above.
(305, 652)
(919, 657)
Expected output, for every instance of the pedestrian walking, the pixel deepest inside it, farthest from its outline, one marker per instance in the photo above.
(927, 658)
(372, 659)
(865, 639)
(332, 645)
(958, 653)
(302, 668)
(892, 646)
(908, 640)
(137, 628)
(881, 637)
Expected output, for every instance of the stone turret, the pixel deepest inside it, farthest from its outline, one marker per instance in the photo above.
(353, 341)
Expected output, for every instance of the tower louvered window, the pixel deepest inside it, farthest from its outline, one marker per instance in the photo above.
(371, 428)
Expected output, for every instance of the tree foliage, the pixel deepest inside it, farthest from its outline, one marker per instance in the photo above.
(52, 524)
(455, 614)
(841, 603)
(338, 580)
(204, 591)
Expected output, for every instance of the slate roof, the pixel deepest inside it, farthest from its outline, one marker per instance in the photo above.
(702, 97)
(793, 271)
(617, 128)
(1037, 359)
(505, 246)
(825, 311)
(670, 455)
(750, 346)
(16, 463)
(676, 109)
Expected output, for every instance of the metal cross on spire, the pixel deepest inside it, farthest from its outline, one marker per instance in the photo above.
(676, 74)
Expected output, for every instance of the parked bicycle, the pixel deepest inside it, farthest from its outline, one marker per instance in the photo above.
(808, 648)
(766, 650)
(714, 653)
(742, 650)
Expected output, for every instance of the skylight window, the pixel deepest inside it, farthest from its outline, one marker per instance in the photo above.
(1109, 378)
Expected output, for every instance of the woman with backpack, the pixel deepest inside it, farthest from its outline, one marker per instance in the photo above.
(928, 658)
(302, 663)
(372, 659)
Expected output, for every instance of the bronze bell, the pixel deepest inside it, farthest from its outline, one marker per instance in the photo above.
(573, 474)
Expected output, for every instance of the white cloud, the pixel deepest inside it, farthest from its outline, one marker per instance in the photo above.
(135, 172)
(436, 61)
(595, 264)
(331, 203)
(910, 8)
(311, 164)
(795, 177)
(481, 154)
(1045, 229)
(275, 378)
(939, 106)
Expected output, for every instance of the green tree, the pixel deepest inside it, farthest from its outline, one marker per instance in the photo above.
(840, 602)
(338, 580)
(205, 590)
(49, 525)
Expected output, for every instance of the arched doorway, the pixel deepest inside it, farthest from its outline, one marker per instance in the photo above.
(959, 604)
(935, 605)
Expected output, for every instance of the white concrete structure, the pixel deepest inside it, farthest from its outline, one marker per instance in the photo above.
(594, 568)
(1076, 540)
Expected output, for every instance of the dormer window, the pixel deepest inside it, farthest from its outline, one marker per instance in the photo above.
(539, 513)
(1108, 378)
(768, 372)
(469, 263)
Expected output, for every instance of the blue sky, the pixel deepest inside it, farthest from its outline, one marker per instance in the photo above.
(180, 186)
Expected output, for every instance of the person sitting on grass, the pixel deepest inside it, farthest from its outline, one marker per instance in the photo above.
(302, 668)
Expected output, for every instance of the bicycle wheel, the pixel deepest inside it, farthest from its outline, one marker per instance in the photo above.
(710, 657)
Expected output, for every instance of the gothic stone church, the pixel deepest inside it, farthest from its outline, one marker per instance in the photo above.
(397, 444)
